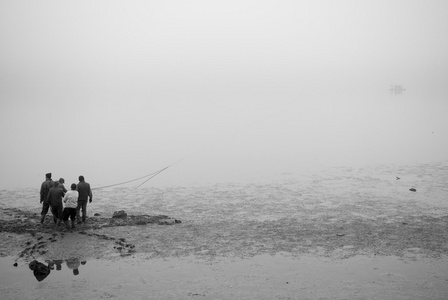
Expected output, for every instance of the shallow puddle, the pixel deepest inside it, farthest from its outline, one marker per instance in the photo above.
(260, 277)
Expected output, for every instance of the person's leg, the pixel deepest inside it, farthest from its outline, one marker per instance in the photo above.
(65, 215)
(78, 214)
(84, 211)
(73, 216)
(58, 215)
(45, 207)
(54, 213)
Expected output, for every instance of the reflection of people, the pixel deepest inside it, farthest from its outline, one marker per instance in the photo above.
(44, 189)
(51, 264)
(71, 203)
(85, 194)
(58, 264)
(40, 270)
(73, 263)
(55, 200)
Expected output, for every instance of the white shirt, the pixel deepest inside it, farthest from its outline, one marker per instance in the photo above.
(71, 199)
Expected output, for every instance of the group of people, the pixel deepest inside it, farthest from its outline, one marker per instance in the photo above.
(65, 204)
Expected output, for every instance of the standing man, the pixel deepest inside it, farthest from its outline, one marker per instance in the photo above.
(54, 197)
(44, 189)
(85, 193)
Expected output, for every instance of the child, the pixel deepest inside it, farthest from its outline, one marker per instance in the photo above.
(71, 202)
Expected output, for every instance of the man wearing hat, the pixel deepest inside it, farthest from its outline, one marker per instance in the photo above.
(44, 189)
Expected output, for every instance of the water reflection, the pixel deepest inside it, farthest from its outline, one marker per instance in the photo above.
(73, 264)
(41, 270)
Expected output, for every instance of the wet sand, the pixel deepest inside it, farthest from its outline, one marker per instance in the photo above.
(340, 234)
(259, 277)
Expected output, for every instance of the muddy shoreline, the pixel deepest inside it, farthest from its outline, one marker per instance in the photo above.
(335, 233)
(343, 234)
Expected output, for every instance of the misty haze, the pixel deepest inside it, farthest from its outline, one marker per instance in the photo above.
(311, 128)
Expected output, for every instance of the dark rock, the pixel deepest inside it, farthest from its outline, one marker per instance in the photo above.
(413, 190)
(97, 215)
(121, 214)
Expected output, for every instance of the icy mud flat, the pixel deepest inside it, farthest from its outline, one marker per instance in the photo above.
(340, 234)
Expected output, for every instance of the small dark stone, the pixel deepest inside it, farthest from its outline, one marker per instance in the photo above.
(97, 214)
(15, 264)
(412, 190)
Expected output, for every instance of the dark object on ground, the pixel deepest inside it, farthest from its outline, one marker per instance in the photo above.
(397, 177)
(412, 190)
(121, 214)
(97, 214)
(40, 270)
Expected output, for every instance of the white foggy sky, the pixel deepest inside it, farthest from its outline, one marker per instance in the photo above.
(114, 90)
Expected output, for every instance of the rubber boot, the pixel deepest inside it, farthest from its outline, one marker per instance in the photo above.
(42, 219)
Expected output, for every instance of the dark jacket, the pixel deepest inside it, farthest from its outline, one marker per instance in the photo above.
(61, 185)
(55, 196)
(44, 189)
(84, 191)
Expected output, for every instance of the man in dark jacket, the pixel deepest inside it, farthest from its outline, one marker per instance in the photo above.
(44, 189)
(54, 197)
(85, 194)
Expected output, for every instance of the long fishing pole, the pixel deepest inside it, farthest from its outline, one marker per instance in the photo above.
(152, 175)
(157, 173)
